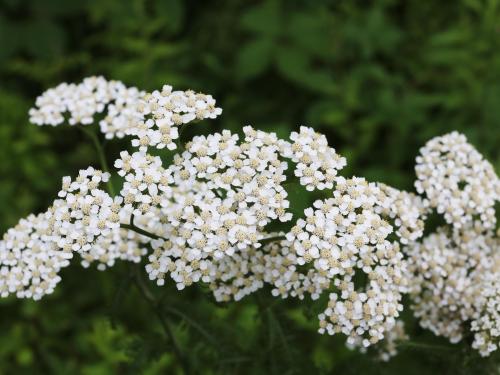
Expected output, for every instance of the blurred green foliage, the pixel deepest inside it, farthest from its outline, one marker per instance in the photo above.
(379, 78)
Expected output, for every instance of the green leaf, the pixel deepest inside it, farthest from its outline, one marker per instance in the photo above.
(253, 58)
(43, 39)
(170, 13)
(297, 66)
(263, 19)
(312, 33)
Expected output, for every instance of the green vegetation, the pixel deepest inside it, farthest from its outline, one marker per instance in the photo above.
(379, 78)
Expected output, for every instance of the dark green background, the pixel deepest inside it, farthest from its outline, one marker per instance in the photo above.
(379, 78)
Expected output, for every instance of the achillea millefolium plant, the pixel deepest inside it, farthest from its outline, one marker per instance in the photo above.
(217, 212)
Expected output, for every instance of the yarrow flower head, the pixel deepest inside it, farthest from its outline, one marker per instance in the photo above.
(216, 198)
(317, 162)
(85, 212)
(30, 259)
(117, 244)
(342, 236)
(453, 283)
(163, 112)
(211, 217)
(407, 210)
(458, 182)
(453, 270)
(274, 263)
(83, 101)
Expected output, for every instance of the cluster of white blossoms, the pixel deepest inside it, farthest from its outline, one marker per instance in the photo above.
(486, 322)
(30, 258)
(454, 270)
(82, 102)
(287, 277)
(454, 287)
(458, 182)
(441, 284)
(163, 112)
(220, 214)
(90, 222)
(241, 190)
(408, 212)
(84, 211)
(152, 119)
(274, 264)
(117, 244)
(214, 200)
(84, 220)
(317, 162)
(346, 236)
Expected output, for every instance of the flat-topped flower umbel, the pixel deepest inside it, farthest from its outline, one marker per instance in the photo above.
(221, 214)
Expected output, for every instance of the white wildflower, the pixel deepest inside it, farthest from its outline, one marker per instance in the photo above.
(82, 102)
(458, 182)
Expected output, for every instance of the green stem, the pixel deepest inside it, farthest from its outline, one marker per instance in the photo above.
(271, 239)
(274, 325)
(100, 153)
(265, 316)
(141, 231)
(192, 323)
(180, 145)
(164, 322)
(281, 334)
(145, 233)
(419, 345)
(122, 288)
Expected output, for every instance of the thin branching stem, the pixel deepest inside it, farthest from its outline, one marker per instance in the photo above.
(131, 226)
(141, 286)
(271, 239)
(164, 322)
(180, 144)
(141, 231)
(420, 345)
(193, 324)
(100, 153)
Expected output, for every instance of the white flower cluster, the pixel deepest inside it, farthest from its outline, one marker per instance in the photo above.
(152, 119)
(146, 182)
(458, 182)
(84, 100)
(454, 270)
(274, 263)
(486, 323)
(163, 112)
(342, 236)
(213, 201)
(287, 277)
(118, 244)
(90, 222)
(84, 211)
(30, 258)
(407, 211)
(439, 284)
(454, 283)
(317, 163)
(85, 220)
(234, 277)
(208, 217)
